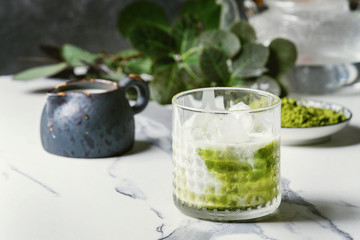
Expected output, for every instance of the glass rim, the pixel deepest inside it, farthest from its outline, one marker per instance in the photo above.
(194, 109)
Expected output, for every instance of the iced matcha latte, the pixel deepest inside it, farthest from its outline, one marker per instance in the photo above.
(226, 153)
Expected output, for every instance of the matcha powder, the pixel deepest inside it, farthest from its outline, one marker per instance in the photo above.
(295, 115)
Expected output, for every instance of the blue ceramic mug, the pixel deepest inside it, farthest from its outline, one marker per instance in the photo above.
(91, 118)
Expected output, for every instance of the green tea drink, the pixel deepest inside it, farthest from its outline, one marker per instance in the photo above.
(226, 163)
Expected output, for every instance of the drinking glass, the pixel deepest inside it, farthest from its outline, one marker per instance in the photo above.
(226, 153)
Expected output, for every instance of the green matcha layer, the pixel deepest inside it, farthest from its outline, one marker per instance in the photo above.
(248, 179)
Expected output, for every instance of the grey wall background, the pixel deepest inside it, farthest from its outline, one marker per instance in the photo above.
(90, 24)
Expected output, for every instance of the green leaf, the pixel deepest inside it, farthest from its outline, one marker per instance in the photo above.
(138, 65)
(192, 55)
(171, 77)
(128, 53)
(192, 75)
(117, 76)
(166, 82)
(251, 61)
(76, 56)
(184, 30)
(244, 31)
(237, 82)
(152, 41)
(161, 64)
(140, 12)
(208, 11)
(213, 65)
(121, 59)
(39, 72)
(283, 55)
(225, 41)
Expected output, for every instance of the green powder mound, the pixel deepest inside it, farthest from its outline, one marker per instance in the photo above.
(246, 182)
(295, 115)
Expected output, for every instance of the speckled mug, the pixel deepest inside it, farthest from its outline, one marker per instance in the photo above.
(91, 118)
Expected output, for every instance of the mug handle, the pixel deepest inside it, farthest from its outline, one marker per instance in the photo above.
(142, 89)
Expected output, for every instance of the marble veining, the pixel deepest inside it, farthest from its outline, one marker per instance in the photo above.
(45, 196)
(294, 199)
(128, 188)
(293, 212)
(346, 204)
(34, 180)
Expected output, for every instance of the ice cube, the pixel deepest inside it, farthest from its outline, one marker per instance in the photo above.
(226, 129)
(244, 118)
(239, 106)
(195, 127)
(263, 124)
(234, 127)
(210, 102)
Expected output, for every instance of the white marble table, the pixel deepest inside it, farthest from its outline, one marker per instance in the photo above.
(47, 197)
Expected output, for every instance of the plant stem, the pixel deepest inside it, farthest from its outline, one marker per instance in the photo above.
(191, 72)
(191, 51)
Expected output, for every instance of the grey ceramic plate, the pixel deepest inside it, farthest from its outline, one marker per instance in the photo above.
(311, 135)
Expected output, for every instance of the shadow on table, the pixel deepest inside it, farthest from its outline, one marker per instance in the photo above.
(324, 211)
(41, 90)
(139, 146)
(292, 216)
(349, 136)
(295, 208)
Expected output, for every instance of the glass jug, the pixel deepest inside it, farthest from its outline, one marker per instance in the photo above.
(327, 35)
